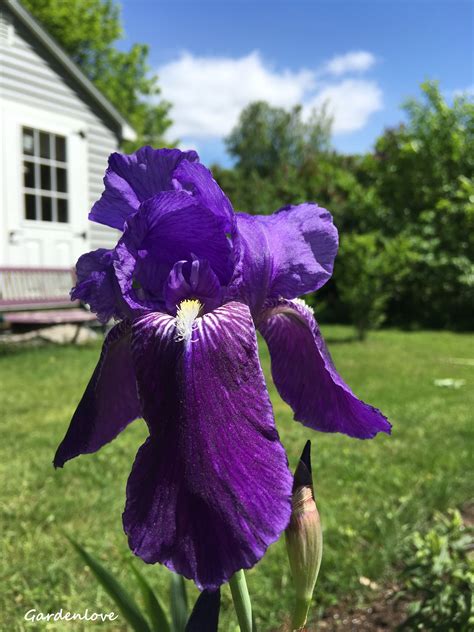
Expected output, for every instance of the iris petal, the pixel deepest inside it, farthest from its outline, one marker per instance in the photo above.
(97, 285)
(192, 280)
(210, 489)
(306, 378)
(169, 227)
(286, 254)
(110, 401)
(132, 179)
(178, 227)
(200, 181)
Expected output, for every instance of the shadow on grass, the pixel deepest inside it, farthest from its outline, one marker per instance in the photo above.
(338, 341)
(8, 349)
(11, 349)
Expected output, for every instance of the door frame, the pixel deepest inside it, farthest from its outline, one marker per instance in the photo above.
(15, 116)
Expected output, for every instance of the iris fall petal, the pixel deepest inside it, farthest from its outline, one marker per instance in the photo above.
(306, 378)
(210, 489)
(110, 401)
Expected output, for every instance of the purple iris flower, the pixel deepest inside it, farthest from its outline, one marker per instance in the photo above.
(190, 281)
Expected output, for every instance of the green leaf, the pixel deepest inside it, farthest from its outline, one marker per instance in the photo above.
(124, 601)
(153, 606)
(179, 602)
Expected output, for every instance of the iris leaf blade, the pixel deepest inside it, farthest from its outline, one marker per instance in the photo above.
(179, 602)
(115, 590)
(155, 610)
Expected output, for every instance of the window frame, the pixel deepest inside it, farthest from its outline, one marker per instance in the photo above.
(37, 161)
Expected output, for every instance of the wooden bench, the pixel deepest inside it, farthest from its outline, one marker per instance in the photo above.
(39, 297)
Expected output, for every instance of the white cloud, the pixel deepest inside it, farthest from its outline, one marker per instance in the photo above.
(208, 93)
(187, 145)
(350, 102)
(354, 61)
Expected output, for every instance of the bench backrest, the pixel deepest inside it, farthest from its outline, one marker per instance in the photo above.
(33, 288)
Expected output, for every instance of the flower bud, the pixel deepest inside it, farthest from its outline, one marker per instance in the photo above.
(304, 540)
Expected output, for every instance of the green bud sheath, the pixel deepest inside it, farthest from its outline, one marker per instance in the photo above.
(304, 540)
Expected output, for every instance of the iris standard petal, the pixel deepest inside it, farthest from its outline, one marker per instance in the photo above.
(306, 378)
(169, 227)
(210, 489)
(286, 254)
(110, 401)
(178, 227)
(97, 285)
(132, 179)
(196, 178)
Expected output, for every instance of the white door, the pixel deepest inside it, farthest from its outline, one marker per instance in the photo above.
(45, 193)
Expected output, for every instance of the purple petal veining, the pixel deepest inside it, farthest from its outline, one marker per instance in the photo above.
(210, 489)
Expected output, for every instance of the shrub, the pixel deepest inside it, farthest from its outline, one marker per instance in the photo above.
(369, 270)
(439, 576)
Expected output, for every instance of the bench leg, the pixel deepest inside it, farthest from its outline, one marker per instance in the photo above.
(76, 334)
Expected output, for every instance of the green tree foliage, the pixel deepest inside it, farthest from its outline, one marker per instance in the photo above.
(267, 138)
(423, 173)
(88, 30)
(369, 270)
(418, 164)
(408, 207)
(272, 147)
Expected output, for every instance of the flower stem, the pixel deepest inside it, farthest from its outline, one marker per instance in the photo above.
(300, 613)
(241, 598)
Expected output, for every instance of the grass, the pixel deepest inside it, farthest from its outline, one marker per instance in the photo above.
(370, 494)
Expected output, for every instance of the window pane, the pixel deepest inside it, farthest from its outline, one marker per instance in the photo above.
(29, 174)
(30, 206)
(45, 177)
(44, 145)
(62, 210)
(28, 141)
(60, 148)
(61, 180)
(46, 209)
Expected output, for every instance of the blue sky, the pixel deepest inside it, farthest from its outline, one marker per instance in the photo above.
(363, 58)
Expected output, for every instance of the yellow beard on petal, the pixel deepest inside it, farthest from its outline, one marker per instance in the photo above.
(188, 311)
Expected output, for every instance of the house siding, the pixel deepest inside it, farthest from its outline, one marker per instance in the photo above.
(28, 75)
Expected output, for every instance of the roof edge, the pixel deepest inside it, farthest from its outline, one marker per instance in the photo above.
(126, 130)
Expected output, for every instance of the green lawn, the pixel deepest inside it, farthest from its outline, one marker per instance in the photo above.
(370, 493)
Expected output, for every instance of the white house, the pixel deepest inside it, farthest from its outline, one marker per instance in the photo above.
(56, 131)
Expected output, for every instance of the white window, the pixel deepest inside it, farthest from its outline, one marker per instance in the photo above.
(45, 176)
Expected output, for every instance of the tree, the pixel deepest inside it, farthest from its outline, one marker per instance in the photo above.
(271, 147)
(88, 31)
(283, 158)
(423, 173)
(369, 270)
(419, 163)
(267, 138)
(407, 208)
